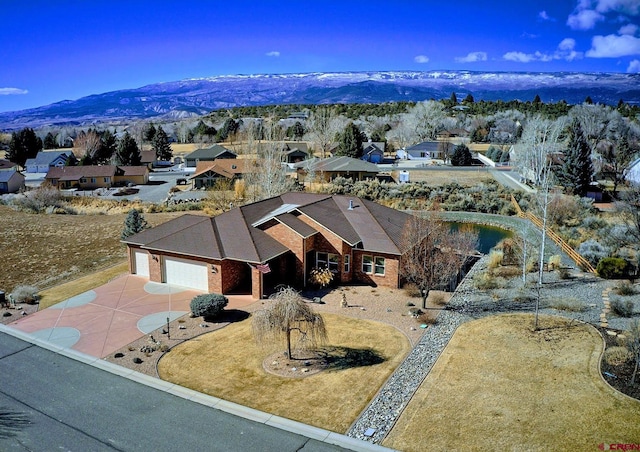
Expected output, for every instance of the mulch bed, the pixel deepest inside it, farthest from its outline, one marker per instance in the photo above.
(619, 376)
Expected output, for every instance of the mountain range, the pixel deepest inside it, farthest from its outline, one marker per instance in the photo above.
(198, 96)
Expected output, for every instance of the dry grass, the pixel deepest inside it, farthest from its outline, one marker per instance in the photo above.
(44, 250)
(332, 399)
(500, 386)
(465, 178)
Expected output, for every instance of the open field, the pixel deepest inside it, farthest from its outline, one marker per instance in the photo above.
(466, 178)
(45, 250)
(332, 399)
(500, 386)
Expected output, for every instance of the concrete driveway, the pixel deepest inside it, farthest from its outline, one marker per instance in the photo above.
(105, 319)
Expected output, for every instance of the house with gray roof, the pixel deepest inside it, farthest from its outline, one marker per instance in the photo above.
(339, 166)
(11, 181)
(208, 155)
(254, 248)
(49, 159)
(423, 151)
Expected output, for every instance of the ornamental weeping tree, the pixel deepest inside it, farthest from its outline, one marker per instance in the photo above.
(286, 313)
(434, 253)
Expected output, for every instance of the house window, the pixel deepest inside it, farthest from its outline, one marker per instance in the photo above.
(379, 266)
(83, 180)
(328, 260)
(107, 179)
(367, 264)
(93, 180)
(347, 262)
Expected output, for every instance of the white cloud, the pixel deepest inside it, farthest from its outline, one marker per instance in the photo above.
(634, 67)
(612, 46)
(584, 19)
(421, 59)
(472, 57)
(544, 16)
(565, 51)
(273, 53)
(629, 29)
(631, 7)
(12, 91)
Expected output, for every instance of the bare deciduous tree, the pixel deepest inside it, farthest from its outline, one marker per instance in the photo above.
(322, 127)
(434, 252)
(426, 119)
(86, 144)
(633, 344)
(286, 313)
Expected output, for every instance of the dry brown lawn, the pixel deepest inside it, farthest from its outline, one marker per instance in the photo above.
(466, 178)
(500, 386)
(215, 364)
(43, 250)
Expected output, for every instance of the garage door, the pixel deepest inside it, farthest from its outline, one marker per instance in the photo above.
(186, 273)
(141, 262)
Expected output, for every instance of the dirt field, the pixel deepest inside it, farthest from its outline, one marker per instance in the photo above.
(44, 250)
(466, 178)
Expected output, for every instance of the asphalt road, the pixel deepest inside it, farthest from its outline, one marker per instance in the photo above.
(71, 406)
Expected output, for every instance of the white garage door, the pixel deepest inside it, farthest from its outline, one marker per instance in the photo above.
(186, 273)
(141, 262)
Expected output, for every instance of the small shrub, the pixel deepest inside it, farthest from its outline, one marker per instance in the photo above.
(415, 312)
(554, 262)
(567, 304)
(495, 259)
(208, 305)
(321, 277)
(426, 319)
(615, 356)
(410, 303)
(507, 271)
(612, 268)
(411, 290)
(593, 251)
(624, 288)
(25, 294)
(564, 273)
(485, 281)
(622, 308)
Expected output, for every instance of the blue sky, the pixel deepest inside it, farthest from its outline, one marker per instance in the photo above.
(57, 50)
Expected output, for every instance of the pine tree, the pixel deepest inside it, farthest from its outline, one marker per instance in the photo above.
(50, 142)
(23, 145)
(128, 152)
(160, 145)
(133, 224)
(577, 169)
(351, 141)
(461, 156)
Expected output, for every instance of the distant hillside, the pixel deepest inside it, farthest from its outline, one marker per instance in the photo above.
(194, 97)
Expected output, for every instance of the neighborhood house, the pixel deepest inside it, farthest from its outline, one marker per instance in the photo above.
(254, 248)
(98, 176)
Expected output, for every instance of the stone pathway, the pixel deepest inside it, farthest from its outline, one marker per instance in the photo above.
(604, 323)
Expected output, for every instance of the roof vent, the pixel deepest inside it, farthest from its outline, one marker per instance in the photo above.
(351, 204)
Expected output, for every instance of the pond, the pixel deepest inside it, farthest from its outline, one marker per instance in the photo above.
(488, 236)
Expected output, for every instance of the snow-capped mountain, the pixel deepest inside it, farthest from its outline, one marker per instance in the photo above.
(193, 97)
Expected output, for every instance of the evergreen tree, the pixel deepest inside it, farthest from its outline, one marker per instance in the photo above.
(107, 148)
(23, 145)
(576, 171)
(128, 152)
(150, 133)
(468, 100)
(133, 224)
(160, 145)
(537, 100)
(461, 156)
(50, 142)
(350, 143)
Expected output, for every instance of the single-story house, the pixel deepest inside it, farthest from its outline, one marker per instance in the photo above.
(6, 165)
(208, 155)
(91, 177)
(294, 152)
(254, 248)
(48, 159)
(208, 173)
(340, 166)
(373, 151)
(424, 150)
(11, 181)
